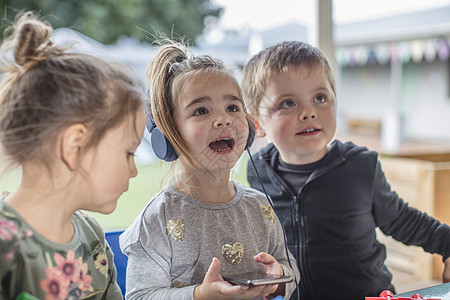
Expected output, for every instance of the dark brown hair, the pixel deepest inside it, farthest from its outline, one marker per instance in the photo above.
(45, 89)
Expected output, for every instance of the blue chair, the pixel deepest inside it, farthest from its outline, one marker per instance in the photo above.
(120, 259)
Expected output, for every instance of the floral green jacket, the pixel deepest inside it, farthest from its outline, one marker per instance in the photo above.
(81, 269)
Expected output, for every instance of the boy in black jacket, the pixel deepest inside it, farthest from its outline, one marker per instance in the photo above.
(329, 196)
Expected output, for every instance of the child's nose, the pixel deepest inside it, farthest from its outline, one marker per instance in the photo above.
(133, 170)
(222, 120)
(307, 114)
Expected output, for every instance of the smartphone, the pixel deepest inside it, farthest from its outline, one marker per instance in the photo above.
(256, 279)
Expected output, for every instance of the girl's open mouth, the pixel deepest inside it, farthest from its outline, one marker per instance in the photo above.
(222, 145)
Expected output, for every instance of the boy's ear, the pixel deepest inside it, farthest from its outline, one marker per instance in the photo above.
(72, 141)
(258, 129)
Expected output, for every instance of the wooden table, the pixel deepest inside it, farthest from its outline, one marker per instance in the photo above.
(441, 291)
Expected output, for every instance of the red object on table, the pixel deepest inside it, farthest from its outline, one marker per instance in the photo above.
(388, 295)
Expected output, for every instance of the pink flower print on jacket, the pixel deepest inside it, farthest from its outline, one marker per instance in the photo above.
(54, 285)
(7, 229)
(69, 274)
(84, 284)
(10, 232)
(69, 266)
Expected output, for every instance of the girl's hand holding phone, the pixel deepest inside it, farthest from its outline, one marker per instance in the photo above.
(270, 265)
(214, 287)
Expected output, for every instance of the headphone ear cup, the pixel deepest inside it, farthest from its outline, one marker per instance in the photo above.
(161, 146)
(251, 134)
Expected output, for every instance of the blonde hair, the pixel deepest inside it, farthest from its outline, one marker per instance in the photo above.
(280, 58)
(46, 89)
(167, 74)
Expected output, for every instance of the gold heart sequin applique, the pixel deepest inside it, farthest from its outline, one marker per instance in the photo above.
(233, 254)
(267, 212)
(176, 229)
(177, 284)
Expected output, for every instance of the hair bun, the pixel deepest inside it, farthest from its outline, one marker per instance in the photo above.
(31, 37)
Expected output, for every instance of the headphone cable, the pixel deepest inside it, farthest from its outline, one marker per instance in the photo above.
(282, 226)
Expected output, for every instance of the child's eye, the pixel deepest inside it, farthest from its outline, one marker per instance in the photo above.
(319, 99)
(233, 108)
(287, 104)
(200, 111)
(130, 154)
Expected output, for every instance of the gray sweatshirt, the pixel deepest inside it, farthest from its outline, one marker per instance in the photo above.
(172, 242)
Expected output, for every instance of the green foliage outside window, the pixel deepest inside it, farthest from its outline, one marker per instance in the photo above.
(107, 20)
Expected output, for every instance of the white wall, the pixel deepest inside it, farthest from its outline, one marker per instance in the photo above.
(426, 101)
(365, 93)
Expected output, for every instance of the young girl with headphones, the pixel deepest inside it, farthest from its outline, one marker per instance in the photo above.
(72, 123)
(202, 226)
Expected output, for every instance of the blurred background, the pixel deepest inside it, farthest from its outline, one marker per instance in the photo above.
(390, 59)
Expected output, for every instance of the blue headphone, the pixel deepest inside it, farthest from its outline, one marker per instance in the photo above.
(164, 150)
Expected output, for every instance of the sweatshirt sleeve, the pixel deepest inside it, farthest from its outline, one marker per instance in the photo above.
(149, 260)
(112, 290)
(406, 224)
(148, 276)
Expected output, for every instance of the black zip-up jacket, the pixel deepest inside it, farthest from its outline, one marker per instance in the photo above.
(330, 223)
